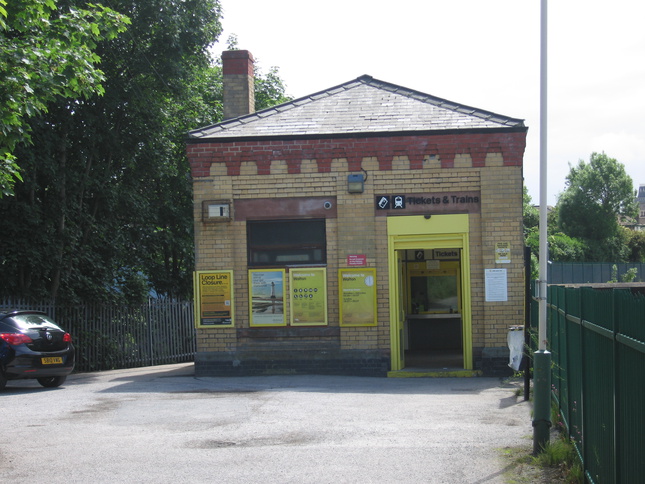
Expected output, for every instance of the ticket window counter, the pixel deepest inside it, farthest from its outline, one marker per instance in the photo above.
(433, 324)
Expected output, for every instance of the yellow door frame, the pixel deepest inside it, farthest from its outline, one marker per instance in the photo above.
(419, 232)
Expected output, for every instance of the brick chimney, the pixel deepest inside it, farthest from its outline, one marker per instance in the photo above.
(239, 91)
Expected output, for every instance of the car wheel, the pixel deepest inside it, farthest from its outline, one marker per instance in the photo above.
(3, 380)
(52, 381)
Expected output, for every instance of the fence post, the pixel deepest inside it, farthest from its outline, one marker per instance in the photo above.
(148, 308)
(526, 364)
(614, 355)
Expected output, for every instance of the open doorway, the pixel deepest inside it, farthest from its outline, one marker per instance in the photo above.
(432, 332)
(430, 293)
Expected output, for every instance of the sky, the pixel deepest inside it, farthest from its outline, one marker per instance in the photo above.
(481, 54)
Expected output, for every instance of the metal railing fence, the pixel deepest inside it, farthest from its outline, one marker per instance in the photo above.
(592, 272)
(113, 337)
(597, 341)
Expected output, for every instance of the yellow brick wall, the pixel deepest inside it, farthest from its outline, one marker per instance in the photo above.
(356, 230)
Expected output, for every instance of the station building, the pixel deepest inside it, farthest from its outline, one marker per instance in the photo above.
(366, 229)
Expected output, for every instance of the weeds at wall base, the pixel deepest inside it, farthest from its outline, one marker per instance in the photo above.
(558, 463)
(561, 454)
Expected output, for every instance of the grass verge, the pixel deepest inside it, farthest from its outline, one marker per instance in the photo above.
(557, 464)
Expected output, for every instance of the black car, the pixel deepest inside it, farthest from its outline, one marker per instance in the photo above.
(32, 345)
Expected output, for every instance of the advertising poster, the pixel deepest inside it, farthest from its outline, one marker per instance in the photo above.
(357, 297)
(308, 295)
(267, 297)
(213, 298)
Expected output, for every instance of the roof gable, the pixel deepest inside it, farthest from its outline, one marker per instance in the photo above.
(362, 106)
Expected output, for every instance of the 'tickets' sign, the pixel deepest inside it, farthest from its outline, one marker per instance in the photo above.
(453, 202)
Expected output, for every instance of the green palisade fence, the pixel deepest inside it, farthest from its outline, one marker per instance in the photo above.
(597, 341)
(630, 362)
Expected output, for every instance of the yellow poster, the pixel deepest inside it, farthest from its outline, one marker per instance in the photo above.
(357, 297)
(502, 253)
(213, 298)
(308, 295)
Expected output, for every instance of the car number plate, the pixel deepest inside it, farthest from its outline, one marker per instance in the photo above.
(52, 360)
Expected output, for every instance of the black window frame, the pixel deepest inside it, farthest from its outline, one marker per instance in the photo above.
(304, 243)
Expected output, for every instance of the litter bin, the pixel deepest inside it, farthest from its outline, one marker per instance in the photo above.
(515, 341)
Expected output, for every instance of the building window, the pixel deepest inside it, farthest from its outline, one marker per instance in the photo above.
(286, 242)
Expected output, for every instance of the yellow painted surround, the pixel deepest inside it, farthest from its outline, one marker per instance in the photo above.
(419, 232)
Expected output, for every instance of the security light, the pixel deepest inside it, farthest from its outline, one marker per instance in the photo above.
(355, 183)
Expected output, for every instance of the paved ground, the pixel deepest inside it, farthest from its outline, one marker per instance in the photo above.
(163, 425)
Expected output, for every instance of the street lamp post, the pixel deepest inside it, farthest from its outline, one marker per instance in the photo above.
(542, 357)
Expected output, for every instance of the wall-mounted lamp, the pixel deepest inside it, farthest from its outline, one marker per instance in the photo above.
(355, 183)
(216, 211)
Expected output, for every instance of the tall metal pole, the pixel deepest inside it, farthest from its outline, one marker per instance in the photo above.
(542, 357)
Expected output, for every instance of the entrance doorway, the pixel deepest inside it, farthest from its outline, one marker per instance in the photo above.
(432, 298)
(430, 310)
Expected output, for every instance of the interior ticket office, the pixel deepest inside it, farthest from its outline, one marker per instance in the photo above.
(431, 293)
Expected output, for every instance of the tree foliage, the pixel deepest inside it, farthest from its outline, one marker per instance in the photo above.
(48, 51)
(105, 211)
(530, 213)
(561, 248)
(585, 226)
(597, 196)
(635, 245)
(269, 89)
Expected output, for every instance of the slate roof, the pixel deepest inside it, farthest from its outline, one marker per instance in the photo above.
(363, 105)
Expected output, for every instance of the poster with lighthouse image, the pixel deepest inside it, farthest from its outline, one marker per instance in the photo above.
(266, 289)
